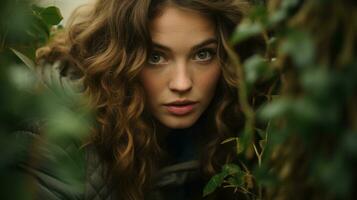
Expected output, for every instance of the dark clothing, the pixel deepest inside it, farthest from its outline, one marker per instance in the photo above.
(180, 180)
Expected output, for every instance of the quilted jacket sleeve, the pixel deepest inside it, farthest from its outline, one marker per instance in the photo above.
(55, 171)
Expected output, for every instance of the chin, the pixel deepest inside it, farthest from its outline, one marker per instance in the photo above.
(179, 126)
(178, 123)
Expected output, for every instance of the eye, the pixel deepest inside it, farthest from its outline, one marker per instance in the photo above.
(204, 55)
(156, 58)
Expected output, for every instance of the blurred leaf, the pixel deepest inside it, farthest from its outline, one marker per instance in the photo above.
(14, 185)
(50, 15)
(282, 12)
(13, 149)
(29, 28)
(39, 31)
(13, 26)
(22, 77)
(300, 47)
(305, 110)
(27, 61)
(259, 13)
(349, 144)
(37, 9)
(275, 109)
(289, 4)
(316, 81)
(64, 123)
(335, 175)
(265, 177)
(255, 67)
(245, 30)
(277, 17)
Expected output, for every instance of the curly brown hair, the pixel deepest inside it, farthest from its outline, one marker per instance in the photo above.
(107, 44)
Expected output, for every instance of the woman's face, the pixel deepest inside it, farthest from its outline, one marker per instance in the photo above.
(182, 72)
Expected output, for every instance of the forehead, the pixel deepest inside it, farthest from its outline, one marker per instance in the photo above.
(179, 24)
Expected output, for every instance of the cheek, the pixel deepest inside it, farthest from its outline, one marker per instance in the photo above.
(208, 81)
(152, 84)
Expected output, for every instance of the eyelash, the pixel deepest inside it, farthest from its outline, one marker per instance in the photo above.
(210, 51)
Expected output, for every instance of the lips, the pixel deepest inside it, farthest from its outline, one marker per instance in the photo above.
(180, 107)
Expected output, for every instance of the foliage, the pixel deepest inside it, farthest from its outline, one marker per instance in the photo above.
(26, 102)
(299, 100)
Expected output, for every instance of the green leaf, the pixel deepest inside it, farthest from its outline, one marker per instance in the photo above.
(51, 15)
(317, 82)
(259, 13)
(282, 13)
(264, 176)
(255, 67)
(40, 25)
(349, 143)
(335, 175)
(64, 123)
(214, 183)
(235, 181)
(246, 30)
(277, 17)
(300, 47)
(37, 9)
(26, 60)
(22, 77)
(275, 109)
(231, 169)
(306, 111)
(38, 31)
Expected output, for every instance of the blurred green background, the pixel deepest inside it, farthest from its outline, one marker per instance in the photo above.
(28, 107)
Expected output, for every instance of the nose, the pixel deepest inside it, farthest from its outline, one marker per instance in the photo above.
(181, 80)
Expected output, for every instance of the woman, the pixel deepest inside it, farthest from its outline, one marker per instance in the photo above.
(164, 91)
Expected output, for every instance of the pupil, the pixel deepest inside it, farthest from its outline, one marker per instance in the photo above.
(202, 54)
(155, 58)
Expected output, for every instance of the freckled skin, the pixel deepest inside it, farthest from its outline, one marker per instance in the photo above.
(181, 72)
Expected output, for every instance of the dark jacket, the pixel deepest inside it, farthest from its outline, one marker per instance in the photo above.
(48, 162)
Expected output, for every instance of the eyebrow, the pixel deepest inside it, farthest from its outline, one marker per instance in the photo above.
(194, 48)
